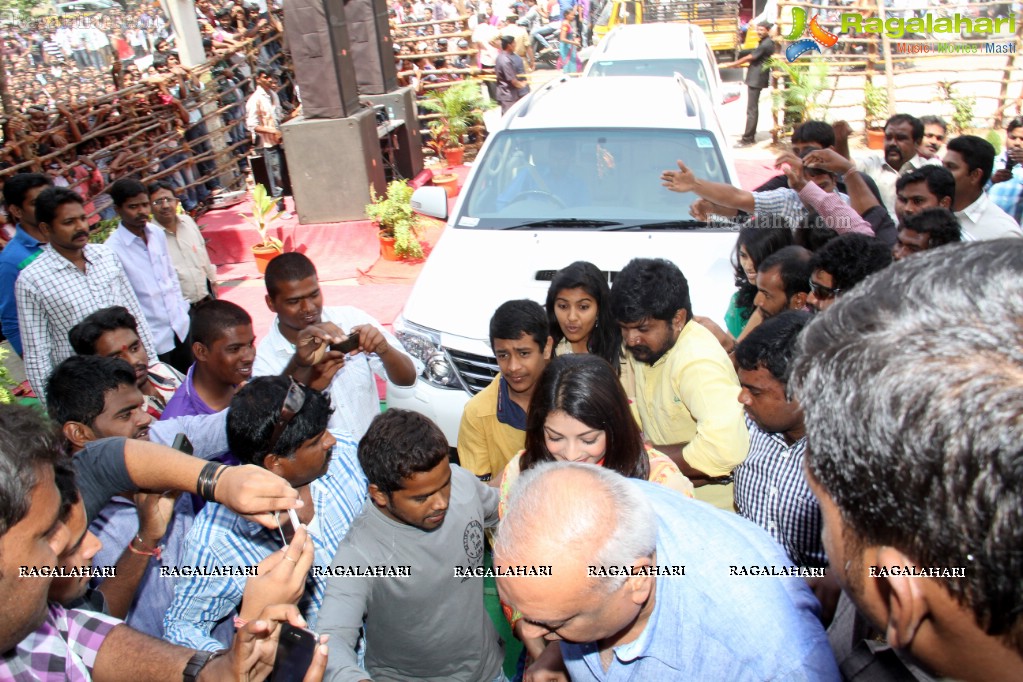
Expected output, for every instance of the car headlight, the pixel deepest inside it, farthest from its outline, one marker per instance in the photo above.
(424, 344)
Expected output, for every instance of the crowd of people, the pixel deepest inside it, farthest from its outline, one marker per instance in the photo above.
(658, 497)
(104, 96)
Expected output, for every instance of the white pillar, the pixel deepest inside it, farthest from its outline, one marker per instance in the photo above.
(189, 41)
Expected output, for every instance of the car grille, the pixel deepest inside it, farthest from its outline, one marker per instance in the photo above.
(476, 371)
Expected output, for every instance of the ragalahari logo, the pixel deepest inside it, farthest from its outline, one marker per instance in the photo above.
(818, 36)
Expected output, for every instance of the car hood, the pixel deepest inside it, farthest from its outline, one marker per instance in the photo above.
(471, 272)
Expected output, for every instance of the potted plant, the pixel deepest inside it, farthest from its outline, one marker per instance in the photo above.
(460, 106)
(264, 213)
(804, 84)
(438, 143)
(397, 223)
(962, 108)
(875, 105)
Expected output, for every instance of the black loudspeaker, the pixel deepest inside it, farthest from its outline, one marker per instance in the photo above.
(372, 48)
(261, 176)
(401, 106)
(318, 39)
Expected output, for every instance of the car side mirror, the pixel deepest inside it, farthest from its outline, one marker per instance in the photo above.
(431, 201)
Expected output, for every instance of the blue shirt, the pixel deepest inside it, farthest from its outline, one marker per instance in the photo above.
(709, 624)
(219, 537)
(118, 522)
(19, 252)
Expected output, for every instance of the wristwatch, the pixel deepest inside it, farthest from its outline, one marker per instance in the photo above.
(197, 662)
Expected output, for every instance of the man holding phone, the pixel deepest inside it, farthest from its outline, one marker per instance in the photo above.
(293, 293)
(281, 426)
(1006, 189)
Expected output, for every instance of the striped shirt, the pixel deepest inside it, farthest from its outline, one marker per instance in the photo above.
(772, 492)
(53, 295)
(219, 537)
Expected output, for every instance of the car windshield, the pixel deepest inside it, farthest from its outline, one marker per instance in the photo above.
(586, 175)
(690, 68)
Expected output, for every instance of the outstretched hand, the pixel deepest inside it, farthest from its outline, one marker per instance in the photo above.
(682, 180)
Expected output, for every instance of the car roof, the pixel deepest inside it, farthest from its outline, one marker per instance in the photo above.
(651, 41)
(634, 102)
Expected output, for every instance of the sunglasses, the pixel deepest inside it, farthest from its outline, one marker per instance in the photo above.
(821, 292)
(293, 403)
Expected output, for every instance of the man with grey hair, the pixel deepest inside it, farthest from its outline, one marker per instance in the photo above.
(912, 388)
(646, 584)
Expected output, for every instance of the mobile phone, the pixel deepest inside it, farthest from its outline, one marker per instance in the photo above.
(295, 649)
(182, 444)
(350, 343)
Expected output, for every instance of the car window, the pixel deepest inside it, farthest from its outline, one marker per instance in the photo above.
(690, 68)
(589, 174)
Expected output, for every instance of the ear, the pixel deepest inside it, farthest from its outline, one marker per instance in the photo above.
(15, 212)
(272, 463)
(798, 300)
(976, 174)
(680, 319)
(200, 351)
(78, 434)
(640, 586)
(270, 303)
(548, 348)
(379, 497)
(945, 202)
(907, 601)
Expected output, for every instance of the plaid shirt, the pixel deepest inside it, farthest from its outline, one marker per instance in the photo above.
(772, 492)
(63, 648)
(788, 204)
(219, 537)
(1008, 195)
(53, 295)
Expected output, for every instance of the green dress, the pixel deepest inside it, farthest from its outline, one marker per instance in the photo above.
(736, 317)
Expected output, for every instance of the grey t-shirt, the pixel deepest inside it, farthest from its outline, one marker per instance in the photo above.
(430, 626)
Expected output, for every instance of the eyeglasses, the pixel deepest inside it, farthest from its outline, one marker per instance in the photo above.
(164, 201)
(821, 292)
(293, 403)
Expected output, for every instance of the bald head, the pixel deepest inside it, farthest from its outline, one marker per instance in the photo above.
(576, 515)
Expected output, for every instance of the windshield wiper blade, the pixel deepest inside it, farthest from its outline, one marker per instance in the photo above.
(565, 222)
(660, 224)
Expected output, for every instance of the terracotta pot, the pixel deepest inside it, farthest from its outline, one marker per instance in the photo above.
(387, 251)
(449, 181)
(875, 139)
(263, 255)
(454, 155)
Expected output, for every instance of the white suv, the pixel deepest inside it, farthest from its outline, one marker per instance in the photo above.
(572, 174)
(660, 50)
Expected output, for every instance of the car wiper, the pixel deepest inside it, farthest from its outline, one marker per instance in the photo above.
(565, 222)
(659, 225)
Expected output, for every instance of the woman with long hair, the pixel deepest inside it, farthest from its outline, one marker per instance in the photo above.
(754, 244)
(580, 413)
(579, 314)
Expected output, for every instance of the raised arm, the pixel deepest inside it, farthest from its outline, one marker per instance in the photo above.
(683, 180)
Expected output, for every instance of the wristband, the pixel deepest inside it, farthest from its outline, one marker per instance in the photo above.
(197, 662)
(208, 477)
(155, 552)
